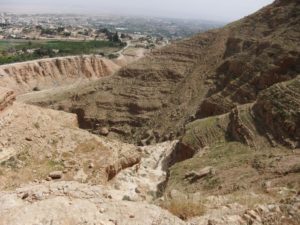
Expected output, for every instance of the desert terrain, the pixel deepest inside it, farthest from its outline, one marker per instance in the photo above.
(204, 131)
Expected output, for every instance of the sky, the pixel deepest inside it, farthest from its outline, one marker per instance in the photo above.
(215, 10)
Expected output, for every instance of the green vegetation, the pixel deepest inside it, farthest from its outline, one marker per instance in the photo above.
(55, 165)
(112, 56)
(22, 50)
(212, 130)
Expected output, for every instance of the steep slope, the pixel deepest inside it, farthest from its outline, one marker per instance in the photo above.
(239, 143)
(209, 74)
(7, 97)
(49, 73)
(36, 141)
(263, 50)
(231, 97)
(155, 86)
(237, 156)
(279, 111)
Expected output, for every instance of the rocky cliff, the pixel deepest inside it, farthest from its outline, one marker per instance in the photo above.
(54, 72)
(7, 97)
(262, 50)
(278, 109)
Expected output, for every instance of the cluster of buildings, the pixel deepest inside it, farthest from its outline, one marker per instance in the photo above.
(75, 27)
(88, 27)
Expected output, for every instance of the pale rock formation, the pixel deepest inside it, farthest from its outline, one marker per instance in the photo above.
(47, 140)
(141, 181)
(7, 97)
(53, 72)
(66, 203)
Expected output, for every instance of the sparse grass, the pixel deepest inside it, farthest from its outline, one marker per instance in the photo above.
(126, 198)
(250, 200)
(36, 125)
(221, 157)
(66, 155)
(89, 146)
(12, 163)
(55, 165)
(24, 156)
(212, 182)
(184, 208)
(211, 130)
(237, 167)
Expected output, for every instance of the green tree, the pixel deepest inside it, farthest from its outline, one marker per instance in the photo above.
(115, 37)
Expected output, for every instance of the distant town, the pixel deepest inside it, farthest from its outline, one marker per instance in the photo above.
(41, 26)
(26, 36)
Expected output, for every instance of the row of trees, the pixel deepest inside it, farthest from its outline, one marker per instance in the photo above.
(114, 37)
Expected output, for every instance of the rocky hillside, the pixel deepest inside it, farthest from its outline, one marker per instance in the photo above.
(213, 124)
(49, 73)
(278, 109)
(6, 98)
(203, 76)
(262, 50)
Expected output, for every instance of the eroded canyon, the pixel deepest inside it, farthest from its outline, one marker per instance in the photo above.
(203, 131)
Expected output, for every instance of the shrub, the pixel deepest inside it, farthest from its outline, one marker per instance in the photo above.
(112, 56)
(184, 208)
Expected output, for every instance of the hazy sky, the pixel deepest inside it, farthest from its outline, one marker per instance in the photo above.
(218, 10)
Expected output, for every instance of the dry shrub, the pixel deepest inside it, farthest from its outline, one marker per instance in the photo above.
(184, 208)
(250, 200)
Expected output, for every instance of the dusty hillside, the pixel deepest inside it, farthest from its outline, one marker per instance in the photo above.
(70, 203)
(36, 141)
(50, 73)
(206, 75)
(278, 109)
(262, 50)
(229, 99)
(237, 141)
(7, 97)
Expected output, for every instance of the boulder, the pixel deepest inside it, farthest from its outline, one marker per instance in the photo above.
(56, 174)
(104, 131)
(196, 175)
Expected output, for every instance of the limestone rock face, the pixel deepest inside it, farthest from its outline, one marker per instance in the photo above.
(238, 130)
(49, 73)
(143, 180)
(260, 52)
(44, 140)
(279, 110)
(74, 203)
(7, 97)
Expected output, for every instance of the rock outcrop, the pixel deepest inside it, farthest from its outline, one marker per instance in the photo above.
(278, 109)
(238, 130)
(44, 140)
(54, 72)
(72, 203)
(7, 97)
(261, 51)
